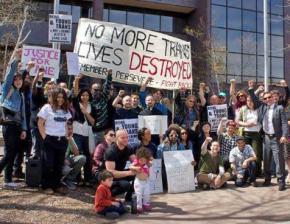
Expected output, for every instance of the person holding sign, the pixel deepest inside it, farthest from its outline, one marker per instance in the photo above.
(211, 168)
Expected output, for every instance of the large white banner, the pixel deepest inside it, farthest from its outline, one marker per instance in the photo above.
(131, 126)
(60, 28)
(157, 124)
(179, 171)
(155, 177)
(43, 57)
(215, 114)
(133, 54)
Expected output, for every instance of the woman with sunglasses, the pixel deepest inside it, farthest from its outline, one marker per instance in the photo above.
(98, 156)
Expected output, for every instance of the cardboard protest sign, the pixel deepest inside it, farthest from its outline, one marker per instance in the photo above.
(72, 61)
(157, 124)
(47, 58)
(60, 28)
(179, 171)
(215, 114)
(155, 177)
(133, 54)
(131, 126)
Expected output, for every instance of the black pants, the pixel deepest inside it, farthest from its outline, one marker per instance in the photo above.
(53, 161)
(11, 135)
(83, 145)
(120, 210)
(123, 185)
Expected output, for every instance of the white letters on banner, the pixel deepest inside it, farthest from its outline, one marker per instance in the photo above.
(47, 58)
(179, 171)
(60, 28)
(157, 124)
(215, 114)
(133, 54)
(155, 177)
(131, 126)
(72, 60)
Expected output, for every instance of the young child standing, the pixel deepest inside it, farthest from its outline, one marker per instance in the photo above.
(105, 204)
(141, 184)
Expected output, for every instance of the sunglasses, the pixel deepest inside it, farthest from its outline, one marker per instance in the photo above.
(269, 97)
(173, 135)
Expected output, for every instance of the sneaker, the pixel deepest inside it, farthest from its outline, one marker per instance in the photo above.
(267, 183)
(10, 185)
(112, 215)
(18, 175)
(282, 187)
(69, 184)
(139, 210)
(254, 184)
(147, 208)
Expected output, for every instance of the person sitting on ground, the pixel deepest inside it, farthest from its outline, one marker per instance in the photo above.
(242, 159)
(73, 162)
(105, 204)
(211, 169)
(142, 184)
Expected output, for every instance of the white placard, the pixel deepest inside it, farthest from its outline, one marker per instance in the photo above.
(157, 124)
(60, 28)
(155, 177)
(215, 114)
(72, 61)
(131, 126)
(179, 171)
(133, 54)
(47, 58)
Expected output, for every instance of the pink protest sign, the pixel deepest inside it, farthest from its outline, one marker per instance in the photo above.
(43, 57)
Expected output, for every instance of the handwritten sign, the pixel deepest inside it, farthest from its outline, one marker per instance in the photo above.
(131, 126)
(157, 124)
(133, 54)
(215, 114)
(155, 177)
(43, 57)
(72, 61)
(179, 171)
(60, 28)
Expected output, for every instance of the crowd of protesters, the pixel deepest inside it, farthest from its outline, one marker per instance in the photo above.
(72, 132)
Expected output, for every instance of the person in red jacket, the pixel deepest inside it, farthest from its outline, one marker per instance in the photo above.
(105, 204)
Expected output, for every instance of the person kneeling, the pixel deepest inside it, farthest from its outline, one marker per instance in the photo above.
(211, 169)
(242, 159)
(105, 204)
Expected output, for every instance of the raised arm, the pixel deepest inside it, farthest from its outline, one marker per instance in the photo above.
(201, 93)
(221, 126)
(107, 84)
(205, 145)
(76, 84)
(233, 91)
(252, 94)
(117, 103)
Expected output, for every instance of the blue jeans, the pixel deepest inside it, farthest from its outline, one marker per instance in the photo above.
(121, 210)
(250, 173)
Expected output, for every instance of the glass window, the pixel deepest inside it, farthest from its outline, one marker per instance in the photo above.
(152, 22)
(220, 61)
(277, 46)
(249, 4)
(219, 2)
(234, 64)
(249, 20)
(166, 24)
(218, 14)
(76, 14)
(249, 43)
(276, 25)
(135, 19)
(260, 65)
(106, 15)
(277, 7)
(65, 9)
(218, 38)
(249, 65)
(234, 18)
(237, 78)
(260, 5)
(117, 16)
(234, 41)
(260, 44)
(260, 23)
(277, 67)
(234, 3)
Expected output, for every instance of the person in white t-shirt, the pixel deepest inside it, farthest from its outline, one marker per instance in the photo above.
(52, 119)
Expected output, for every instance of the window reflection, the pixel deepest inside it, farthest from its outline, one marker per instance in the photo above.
(277, 46)
(249, 4)
(218, 16)
(249, 43)
(277, 7)
(234, 64)
(152, 22)
(135, 19)
(234, 3)
(277, 67)
(166, 24)
(234, 18)
(276, 25)
(249, 65)
(249, 20)
(234, 41)
(117, 16)
(219, 38)
(219, 2)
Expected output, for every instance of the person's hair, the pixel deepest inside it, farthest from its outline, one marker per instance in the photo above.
(104, 175)
(141, 133)
(143, 152)
(239, 104)
(108, 130)
(83, 91)
(173, 127)
(274, 91)
(187, 140)
(134, 94)
(46, 86)
(269, 92)
(54, 105)
(158, 90)
(232, 123)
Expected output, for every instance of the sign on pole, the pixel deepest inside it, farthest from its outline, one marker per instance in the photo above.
(72, 61)
(133, 54)
(157, 124)
(43, 57)
(60, 28)
(131, 126)
(179, 171)
(215, 114)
